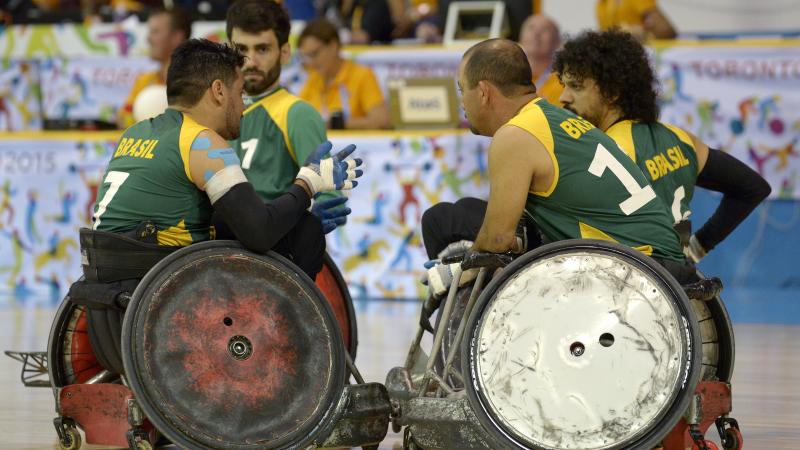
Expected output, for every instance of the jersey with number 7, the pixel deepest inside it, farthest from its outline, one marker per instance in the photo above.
(597, 191)
(149, 177)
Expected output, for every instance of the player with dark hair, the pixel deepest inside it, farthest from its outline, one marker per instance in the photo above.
(278, 130)
(608, 81)
(176, 169)
(560, 171)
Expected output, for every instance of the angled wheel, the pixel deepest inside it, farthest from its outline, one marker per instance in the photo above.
(716, 334)
(227, 349)
(581, 345)
(70, 357)
(331, 283)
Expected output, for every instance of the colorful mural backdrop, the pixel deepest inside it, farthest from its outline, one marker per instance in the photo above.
(745, 101)
(20, 94)
(48, 187)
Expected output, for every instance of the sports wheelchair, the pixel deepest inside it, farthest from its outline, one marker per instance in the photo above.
(214, 347)
(577, 344)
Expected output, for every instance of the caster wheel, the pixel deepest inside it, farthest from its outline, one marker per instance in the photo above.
(72, 439)
(709, 444)
(144, 445)
(732, 440)
(408, 441)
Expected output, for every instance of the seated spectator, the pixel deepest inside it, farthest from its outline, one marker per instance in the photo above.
(369, 21)
(540, 39)
(347, 95)
(166, 30)
(641, 18)
(516, 12)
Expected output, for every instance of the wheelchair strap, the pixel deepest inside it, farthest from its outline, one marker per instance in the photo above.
(108, 257)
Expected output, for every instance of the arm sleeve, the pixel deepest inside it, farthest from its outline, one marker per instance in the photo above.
(241, 214)
(306, 132)
(742, 188)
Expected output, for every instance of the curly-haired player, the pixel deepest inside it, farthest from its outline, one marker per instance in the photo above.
(608, 80)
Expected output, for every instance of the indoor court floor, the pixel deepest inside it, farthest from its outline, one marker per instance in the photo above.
(766, 382)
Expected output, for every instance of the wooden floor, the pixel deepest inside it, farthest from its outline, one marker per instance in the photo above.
(766, 381)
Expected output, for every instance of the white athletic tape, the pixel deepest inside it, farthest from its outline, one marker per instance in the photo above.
(223, 181)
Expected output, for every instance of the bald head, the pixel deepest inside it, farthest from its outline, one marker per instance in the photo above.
(539, 36)
(500, 62)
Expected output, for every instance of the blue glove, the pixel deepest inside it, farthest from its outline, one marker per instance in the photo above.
(329, 214)
(333, 173)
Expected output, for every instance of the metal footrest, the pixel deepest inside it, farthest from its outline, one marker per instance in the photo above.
(34, 368)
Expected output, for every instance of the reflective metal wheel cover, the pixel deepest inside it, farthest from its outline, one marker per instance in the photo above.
(227, 349)
(580, 350)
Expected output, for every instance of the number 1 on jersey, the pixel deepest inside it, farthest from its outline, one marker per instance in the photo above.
(115, 179)
(640, 196)
(249, 147)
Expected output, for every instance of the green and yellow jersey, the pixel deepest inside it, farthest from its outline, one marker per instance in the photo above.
(278, 132)
(148, 178)
(597, 191)
(666, 155)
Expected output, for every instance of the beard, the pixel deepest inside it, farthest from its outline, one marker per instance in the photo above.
(232, 126)
(255, 87)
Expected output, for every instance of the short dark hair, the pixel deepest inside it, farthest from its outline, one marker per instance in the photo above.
(255, 16)
(620, 67)
(501, 62)
(194, 65)
(178, 18)
(322, 29)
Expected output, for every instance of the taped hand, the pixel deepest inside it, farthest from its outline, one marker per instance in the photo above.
(329, 174)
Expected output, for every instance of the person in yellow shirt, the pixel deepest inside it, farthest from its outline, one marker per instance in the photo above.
(540, 38)
(166, 30)
(347, 95)
(642, 18)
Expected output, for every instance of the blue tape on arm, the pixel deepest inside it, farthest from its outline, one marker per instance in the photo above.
(201, 143)
(227, 155)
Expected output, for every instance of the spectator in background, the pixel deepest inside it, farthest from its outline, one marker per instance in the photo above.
(641, 18)
(166, 30)
(346, 94)
(367, 20)
(540, 38)
(516, 12)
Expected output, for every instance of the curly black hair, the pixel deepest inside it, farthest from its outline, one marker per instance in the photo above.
(619, 65)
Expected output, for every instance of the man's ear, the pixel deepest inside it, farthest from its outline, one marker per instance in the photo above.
(484, 91)
(218, 91)
(286, 53)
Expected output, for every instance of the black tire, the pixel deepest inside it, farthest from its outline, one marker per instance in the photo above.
(716, 333)
(352, 335)
(60, 353)
(222, 404)
(503, 436)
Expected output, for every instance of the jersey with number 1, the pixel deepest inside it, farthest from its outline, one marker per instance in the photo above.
(148, 178)
(597, 191)
(666, 155)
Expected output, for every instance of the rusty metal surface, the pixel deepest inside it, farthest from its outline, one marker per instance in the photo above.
(330, 282)
(100, 409)
(236, 352)
(715, 401)
(361, 418)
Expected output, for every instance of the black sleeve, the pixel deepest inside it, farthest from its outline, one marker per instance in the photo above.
(240, 214)
(742, 188)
